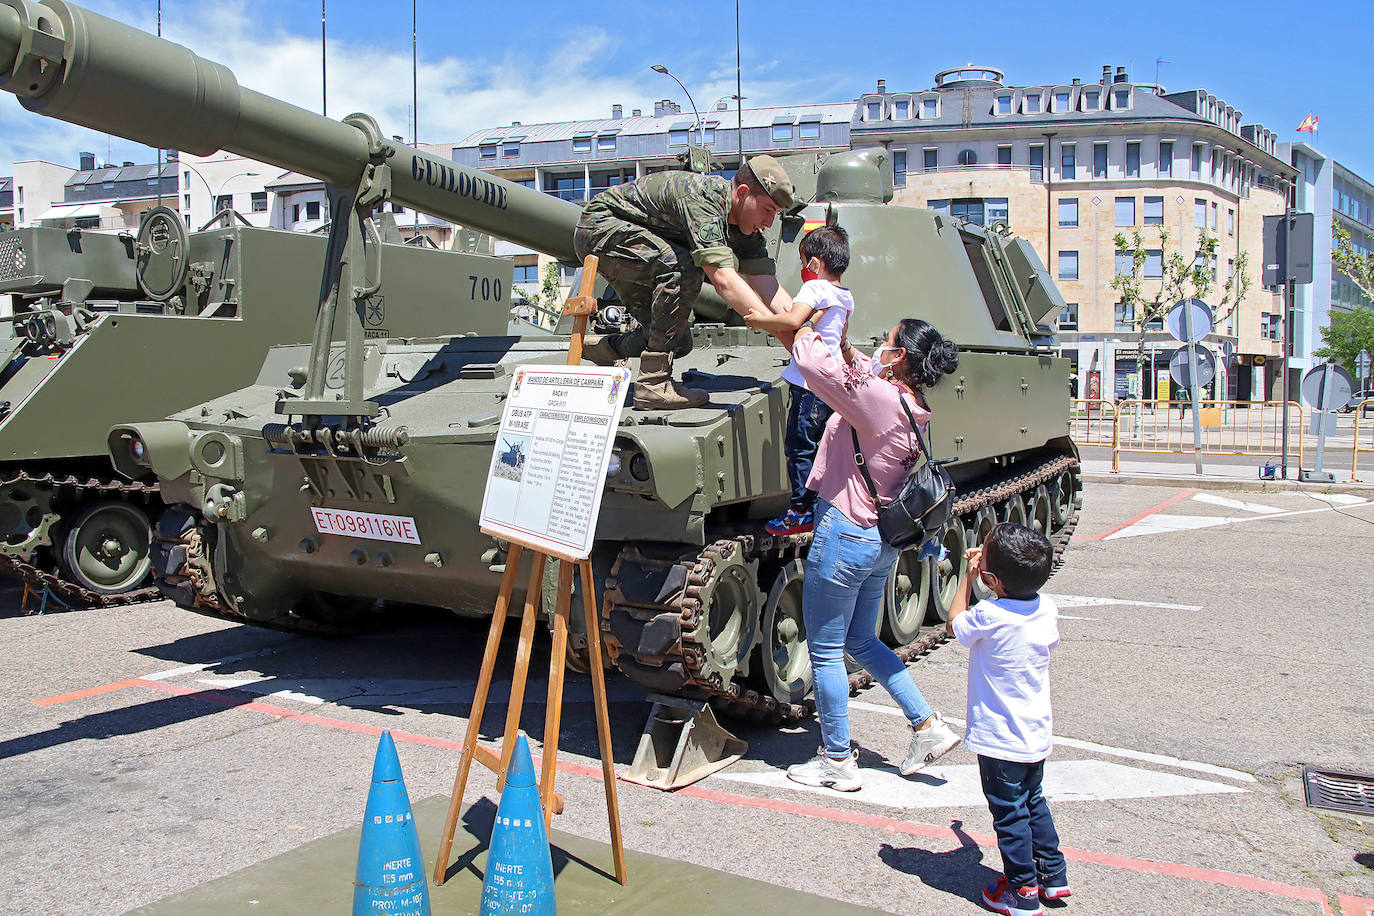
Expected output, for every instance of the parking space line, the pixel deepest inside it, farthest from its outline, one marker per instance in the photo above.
(156, 676)
(1105, 749)
(87, 692)
(1177, 497)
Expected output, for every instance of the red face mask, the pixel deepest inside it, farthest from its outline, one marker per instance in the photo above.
(808, 275)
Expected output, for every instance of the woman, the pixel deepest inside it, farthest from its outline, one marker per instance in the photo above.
(848, 565)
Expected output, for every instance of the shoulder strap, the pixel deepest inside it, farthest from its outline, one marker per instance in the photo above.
(915, 427)
(863, 467)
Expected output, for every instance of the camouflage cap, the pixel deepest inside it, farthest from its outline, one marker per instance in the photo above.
(773, 177)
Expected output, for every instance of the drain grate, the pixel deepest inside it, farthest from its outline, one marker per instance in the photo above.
(1339, 791)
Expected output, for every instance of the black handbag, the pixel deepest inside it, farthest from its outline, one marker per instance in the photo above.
(921, 508)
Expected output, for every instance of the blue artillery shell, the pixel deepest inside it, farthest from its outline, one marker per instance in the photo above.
(391, 869)
(519, 875)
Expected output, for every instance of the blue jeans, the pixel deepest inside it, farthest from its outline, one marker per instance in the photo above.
(1025, 831)
(806, 419)
(842, 596)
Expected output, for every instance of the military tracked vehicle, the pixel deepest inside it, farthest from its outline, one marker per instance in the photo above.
(116, 327)
(699, 600)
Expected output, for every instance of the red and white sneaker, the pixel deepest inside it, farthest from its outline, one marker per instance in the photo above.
(1055, 889)
(1021, 901)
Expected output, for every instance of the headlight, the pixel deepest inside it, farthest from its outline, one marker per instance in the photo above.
(139, 452)
(613, 468)
(639, 467)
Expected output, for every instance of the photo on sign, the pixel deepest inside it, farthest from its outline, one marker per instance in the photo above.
(510, 460)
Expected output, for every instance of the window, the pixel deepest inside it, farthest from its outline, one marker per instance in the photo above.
(1166, 159)
(1037, 163)
(1214, 214)
(1061, 100)
(1068, 265)
(1199, 213)
(1068, 212)
(397, 208)
(259, 201)
(1121, 99)
(1154, 211)
(1195, 163)
(606, 143)
(526, 273)
(928, 160)
(524, 182)
(782, 131)
(186, 181)
(899, 168)
(1125, 262)
(901, 110)
(224, 202)
(583, 142)
(1068, 161)
(1230, 221)
(188, 205)
(998, 210)
(1216, 159)
(1068, 319)
(873, 111)
(295, 211)
(1271, 326)
(1099, 160)
(1125, 211)
(930, 108)
(1004, 104)
(1154, 263)
(708, 133)
(1004, 157)
(1091, 99)
(1133, 159)
(572, 187)
(487, 151)
(1124, 317)
(809, 130)
(940, 205)
(968, 157)
(969, 209)
(510, 149)
(312, 209)
(1030, 103)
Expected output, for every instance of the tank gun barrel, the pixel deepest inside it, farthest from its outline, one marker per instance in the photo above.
(68, 63)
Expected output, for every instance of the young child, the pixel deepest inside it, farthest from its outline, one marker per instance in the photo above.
(826, 306)
(1010, 727)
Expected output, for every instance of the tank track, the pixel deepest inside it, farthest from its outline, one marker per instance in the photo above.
(71, 593)
(653, 608)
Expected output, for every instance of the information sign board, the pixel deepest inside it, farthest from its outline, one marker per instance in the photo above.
(548, 468)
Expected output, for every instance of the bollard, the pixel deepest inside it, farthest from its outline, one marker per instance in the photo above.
(519, 875)
(390, 878)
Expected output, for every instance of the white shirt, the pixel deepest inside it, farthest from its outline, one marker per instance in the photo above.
(1009, 643)
(838, 302)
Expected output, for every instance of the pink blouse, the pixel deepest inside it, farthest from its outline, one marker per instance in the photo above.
(870, 406)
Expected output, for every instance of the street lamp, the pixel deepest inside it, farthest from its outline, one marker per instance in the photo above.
(214, 196)
(696, 127)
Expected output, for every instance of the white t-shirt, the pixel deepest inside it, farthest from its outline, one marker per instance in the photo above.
(1009, 643)
(838, 302)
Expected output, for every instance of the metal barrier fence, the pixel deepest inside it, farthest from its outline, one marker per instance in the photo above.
(1359, 415)
(1093, 422)
(1248, 428)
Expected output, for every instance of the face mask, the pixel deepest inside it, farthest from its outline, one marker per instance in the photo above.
(808, 275)
(876, 366)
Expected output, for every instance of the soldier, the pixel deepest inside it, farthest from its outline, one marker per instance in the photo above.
(657, 238)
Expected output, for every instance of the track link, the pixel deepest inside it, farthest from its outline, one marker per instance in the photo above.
(81, 487)
(652, 610)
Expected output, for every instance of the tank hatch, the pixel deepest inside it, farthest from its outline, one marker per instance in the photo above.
(1043, 299)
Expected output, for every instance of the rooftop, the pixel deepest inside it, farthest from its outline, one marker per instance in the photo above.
(121, 173)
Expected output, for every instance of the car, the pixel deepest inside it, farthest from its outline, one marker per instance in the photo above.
(1356, 399)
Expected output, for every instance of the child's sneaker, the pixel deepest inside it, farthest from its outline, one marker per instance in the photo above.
(822, 770)
(927, 744)
(1055, 889)
(1022, 901)
(793, 522)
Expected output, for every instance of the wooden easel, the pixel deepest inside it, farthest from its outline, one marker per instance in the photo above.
(580, 307)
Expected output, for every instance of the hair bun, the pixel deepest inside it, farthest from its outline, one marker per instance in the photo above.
(943, 358)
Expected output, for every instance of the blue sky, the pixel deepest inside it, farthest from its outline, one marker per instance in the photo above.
(487, 64)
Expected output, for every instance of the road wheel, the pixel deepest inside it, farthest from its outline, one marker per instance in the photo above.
(906, 598)
(107, 547)
(1039, 511)
(949, 572)
(1063, 498)
(785, 658)
(1012, 509)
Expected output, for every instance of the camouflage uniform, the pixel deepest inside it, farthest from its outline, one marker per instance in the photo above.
(652, 237)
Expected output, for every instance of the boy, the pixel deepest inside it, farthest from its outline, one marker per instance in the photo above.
(826, 306)
(1010, 727)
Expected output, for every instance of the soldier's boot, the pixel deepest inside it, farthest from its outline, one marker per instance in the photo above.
(596, 348)
(656, 390)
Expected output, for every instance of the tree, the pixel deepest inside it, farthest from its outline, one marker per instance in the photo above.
(1348, 334)
(1179, 279)
(1355, 263)
(548, 298)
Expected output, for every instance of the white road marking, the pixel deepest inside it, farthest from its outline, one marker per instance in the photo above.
(411, 692)
(1071, 617)
(192, 669)
(1087, 601)
(959, 786)
(1344, 499)
(1229, 503)
(1162, 524)
(1105, 749)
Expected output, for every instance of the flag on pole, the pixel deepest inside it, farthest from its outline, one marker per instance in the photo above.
(1308, 124)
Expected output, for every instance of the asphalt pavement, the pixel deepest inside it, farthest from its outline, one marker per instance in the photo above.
(1215, 643)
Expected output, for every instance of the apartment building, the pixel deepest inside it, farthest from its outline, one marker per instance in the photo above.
(109, 197)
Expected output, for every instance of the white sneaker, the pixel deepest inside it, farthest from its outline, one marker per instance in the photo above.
(928, 744)
(822, 770)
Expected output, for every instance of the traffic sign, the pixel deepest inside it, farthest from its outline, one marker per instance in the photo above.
(1327, 387)
(1206, 367)
(1362, 363)
(1190, 320)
